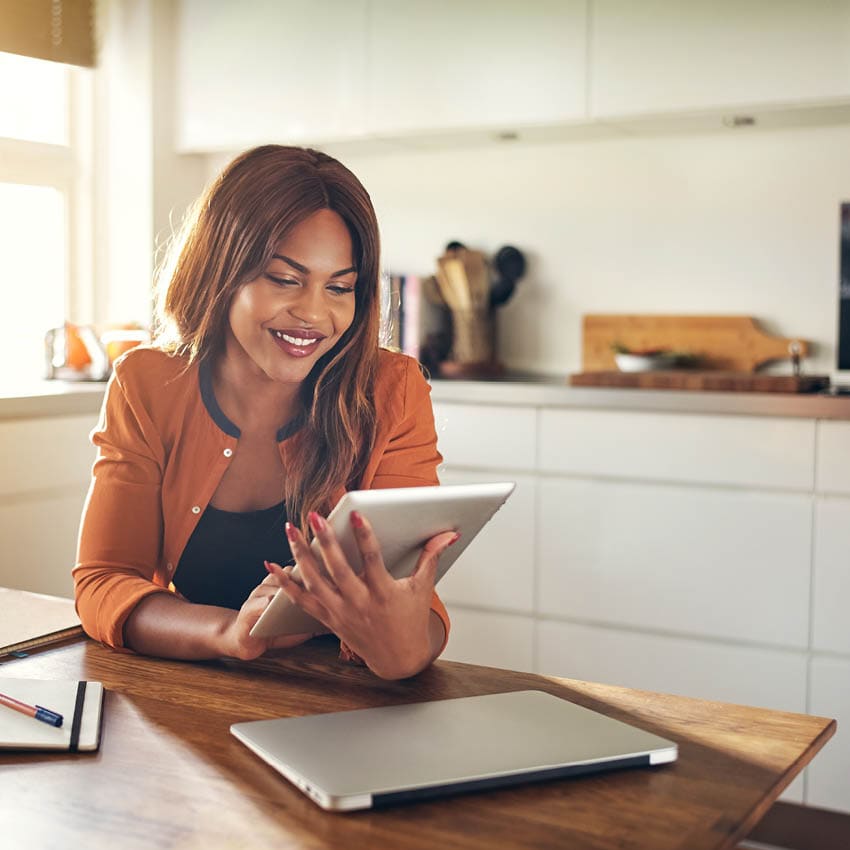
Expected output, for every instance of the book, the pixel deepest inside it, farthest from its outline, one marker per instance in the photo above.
(29, 620)
(79, 703)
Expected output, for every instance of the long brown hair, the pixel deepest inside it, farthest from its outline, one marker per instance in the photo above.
(228, 238)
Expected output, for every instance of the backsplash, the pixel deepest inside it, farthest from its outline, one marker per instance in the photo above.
(744, 221)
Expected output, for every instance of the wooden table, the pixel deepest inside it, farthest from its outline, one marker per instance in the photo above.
(170, 775)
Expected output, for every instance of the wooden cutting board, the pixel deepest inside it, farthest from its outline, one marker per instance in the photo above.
(691, 379)
(732, 343)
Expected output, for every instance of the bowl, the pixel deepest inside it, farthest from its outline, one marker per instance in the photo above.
(646, 362)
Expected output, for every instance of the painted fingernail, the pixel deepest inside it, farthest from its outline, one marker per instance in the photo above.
(316, 522)
(454, 539)
(356, 519)
(290, 532)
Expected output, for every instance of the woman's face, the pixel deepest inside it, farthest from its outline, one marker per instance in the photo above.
(299, 307)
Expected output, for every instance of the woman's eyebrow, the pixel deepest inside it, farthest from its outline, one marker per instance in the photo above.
(304, 270)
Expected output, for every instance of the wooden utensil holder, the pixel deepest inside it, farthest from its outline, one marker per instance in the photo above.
(473, 336)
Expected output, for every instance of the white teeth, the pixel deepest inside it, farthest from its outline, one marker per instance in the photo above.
(293, 340)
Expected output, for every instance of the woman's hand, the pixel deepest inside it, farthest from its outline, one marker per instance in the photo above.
(236, 639)
(384, 620)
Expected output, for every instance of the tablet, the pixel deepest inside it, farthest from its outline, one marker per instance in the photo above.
(403, 519)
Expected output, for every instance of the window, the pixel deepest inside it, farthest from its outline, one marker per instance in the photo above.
(44, 192)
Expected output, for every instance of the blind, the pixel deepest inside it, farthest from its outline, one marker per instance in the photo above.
(59, 30)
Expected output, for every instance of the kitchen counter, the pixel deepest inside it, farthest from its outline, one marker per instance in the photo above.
(60, 398)
(554, 392)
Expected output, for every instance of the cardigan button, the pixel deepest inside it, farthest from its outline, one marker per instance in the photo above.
(228, 452)
(196, 509)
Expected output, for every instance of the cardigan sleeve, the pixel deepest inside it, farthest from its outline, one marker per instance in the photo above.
(120, 541)
(410, 457)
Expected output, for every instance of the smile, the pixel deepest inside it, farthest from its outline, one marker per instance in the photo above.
(294, 340)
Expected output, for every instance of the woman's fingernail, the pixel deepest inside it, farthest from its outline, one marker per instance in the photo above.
(268, 566)
(454, 539)
(290, 532)
(356, 519)
(316, 522)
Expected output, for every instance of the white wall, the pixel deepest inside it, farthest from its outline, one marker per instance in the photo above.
(737, 222)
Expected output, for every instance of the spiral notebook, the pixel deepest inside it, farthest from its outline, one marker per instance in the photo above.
(79, 703)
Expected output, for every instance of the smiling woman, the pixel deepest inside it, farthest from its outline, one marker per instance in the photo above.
(265, 397)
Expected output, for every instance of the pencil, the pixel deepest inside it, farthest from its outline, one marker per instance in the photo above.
(37, 712)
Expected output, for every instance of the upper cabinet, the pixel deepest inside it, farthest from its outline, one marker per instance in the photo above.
(414, 73)
(500, 64)
(662, 56)
(269, 71)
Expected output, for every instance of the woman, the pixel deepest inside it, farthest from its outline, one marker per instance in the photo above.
(265, 398)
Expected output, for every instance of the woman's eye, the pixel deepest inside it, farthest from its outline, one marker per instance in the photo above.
(281, 281)
(340, 290)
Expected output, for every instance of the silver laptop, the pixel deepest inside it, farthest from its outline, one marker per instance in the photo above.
(379, 756)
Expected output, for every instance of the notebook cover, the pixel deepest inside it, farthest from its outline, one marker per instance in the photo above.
(29, 620)
(79, 703)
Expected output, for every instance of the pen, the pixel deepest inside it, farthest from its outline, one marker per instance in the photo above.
(34, 711)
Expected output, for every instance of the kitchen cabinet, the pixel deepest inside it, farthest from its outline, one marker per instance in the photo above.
(828, 773)
(491, 639)
(481, 63)
(682, 542)
(833, 457)
(269, 71)
(727, 564)
(664, 56)
(831, 608)
(383, 75)
(723, 450)
(44, 476)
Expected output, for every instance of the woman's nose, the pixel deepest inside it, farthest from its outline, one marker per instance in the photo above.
(309, 305)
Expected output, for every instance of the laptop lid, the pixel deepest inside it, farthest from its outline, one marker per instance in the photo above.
(378, 756)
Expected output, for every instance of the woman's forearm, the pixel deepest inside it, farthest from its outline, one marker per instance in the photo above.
(167, 626)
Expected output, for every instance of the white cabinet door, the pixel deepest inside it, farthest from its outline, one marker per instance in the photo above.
(658, 56)
(693, 668)
(829, 773)
(486, 436)
(833, 454)
(475, 63)
(261, 71)
(45, 471)
(749, 451)
(831, 611)
(45, 454)
(737, 674)
(730, 564)
(491, 639)
(497, 570)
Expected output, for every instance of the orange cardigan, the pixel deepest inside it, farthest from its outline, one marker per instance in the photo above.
(163, 446)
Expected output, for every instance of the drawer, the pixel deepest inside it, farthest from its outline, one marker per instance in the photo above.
(831, 612)
(693, 668)
(833, 464)
(487, 436)
(491, 639)
(48, 453)
(743, 675)
(734, 450)
(700, 561)
(497, 570)
(829, 787)
(40, 543)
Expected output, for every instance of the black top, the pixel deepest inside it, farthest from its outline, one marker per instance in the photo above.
(223, 560)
